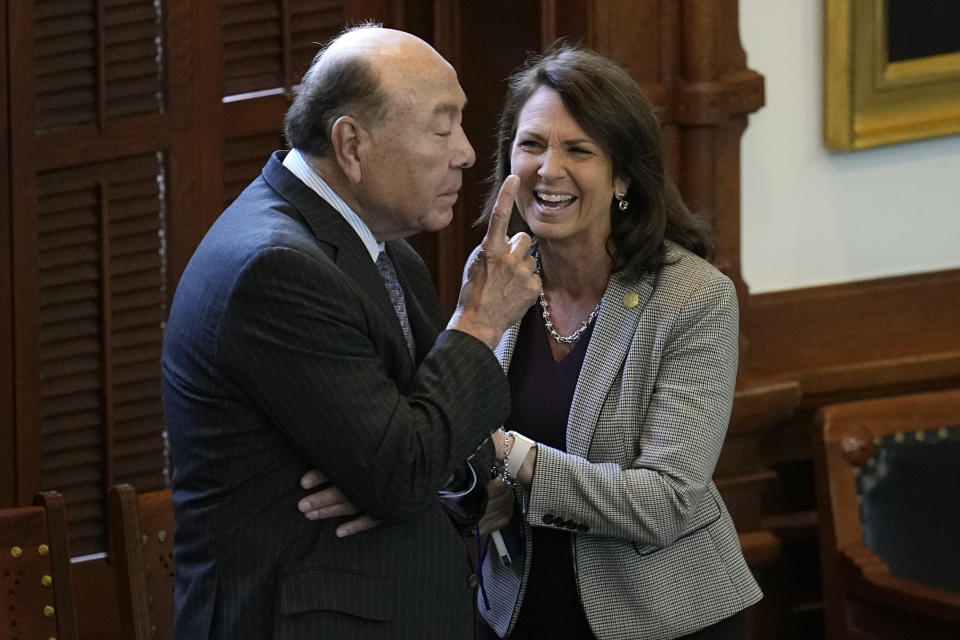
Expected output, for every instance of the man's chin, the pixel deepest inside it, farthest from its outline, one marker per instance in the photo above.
(438, 220)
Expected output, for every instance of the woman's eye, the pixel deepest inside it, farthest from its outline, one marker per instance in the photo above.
(528, 144)
(580, 151)
(443, 134)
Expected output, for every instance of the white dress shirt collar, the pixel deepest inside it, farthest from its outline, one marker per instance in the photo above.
(299, 167)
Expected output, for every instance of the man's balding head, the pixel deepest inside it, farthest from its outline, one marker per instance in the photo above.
(365, 72)
(379, 117)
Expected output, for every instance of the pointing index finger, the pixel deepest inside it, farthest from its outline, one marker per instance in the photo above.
(500, 216)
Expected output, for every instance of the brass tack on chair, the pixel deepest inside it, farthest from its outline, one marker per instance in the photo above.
(161, 535)
(16, 552)
(49, 611)
(46, 580)
(43, 550)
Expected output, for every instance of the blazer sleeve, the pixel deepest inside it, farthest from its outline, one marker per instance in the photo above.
(657, 497)
(299, 346)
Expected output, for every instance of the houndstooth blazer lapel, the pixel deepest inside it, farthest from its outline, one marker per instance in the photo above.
(617, 322)
(620, 311)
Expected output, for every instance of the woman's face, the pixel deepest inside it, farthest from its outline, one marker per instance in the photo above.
(566, 178)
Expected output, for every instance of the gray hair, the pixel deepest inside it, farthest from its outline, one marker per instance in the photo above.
(332, 87)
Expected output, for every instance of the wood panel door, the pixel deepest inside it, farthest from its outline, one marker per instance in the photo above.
(129, 124)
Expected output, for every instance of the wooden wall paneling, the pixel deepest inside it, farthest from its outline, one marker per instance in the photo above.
(87, 144)
(439, 249)
(414, 16)
(101, 308)
(206, 92)
(7, 434)
(559, 18)
(640, 35)
(485, 42)
(87, 196)
(850, 339)
(855, 340)
(188, 143)
(252, 36)
(715, 93)
(26, 374)
(95, 596)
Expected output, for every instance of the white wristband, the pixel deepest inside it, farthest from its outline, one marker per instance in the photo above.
(518, 453)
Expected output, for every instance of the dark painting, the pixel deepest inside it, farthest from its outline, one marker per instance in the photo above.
(922, 28)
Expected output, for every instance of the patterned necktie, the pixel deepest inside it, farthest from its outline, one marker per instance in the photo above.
(392, 283)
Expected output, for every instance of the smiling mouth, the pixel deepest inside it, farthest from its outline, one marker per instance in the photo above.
(553, 200)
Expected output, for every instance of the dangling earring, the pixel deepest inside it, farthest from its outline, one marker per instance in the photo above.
(622, 202)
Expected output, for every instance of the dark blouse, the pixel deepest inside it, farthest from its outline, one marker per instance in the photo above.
(541, 391)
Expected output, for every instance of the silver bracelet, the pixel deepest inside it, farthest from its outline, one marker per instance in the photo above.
(499, 467)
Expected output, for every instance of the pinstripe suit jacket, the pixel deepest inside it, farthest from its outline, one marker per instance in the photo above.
(655, 552)
(283, 353)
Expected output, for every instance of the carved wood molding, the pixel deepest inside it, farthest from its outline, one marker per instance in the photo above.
(860, 339)
(717, 101)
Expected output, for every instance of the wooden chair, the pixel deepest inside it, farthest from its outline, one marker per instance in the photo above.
(888, 488)
(37, 600)
(142, 551)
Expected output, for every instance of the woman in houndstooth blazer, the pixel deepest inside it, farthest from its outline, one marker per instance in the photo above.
(621, 379)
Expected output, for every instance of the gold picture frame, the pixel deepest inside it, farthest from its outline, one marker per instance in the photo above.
(869, 101)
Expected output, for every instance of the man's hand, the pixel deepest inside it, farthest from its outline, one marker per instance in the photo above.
(329, 502)
(499, 507)
(499, 284)
(499, 439)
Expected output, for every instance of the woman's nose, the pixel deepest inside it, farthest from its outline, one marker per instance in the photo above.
(551, 165)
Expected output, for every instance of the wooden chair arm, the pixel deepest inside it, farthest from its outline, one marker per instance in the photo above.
(869, 578)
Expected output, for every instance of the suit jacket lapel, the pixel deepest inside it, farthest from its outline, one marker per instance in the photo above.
(616, 325)
(603, 361)
(348, 251)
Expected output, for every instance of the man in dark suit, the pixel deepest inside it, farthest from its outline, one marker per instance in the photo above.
(305, 333)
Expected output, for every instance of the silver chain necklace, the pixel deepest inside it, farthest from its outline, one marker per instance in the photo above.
(573, 337)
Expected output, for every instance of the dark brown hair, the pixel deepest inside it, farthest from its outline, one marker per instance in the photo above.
(609, 106)
(345, 85)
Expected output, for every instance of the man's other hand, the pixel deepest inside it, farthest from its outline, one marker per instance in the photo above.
(329, 502)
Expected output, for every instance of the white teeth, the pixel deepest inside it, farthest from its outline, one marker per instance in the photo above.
(554, 197)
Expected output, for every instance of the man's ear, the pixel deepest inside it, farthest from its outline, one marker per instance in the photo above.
(345, 138)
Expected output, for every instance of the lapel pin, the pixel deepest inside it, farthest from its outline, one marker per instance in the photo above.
(630, 299)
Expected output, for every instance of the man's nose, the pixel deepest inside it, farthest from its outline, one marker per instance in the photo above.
(464, 155)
